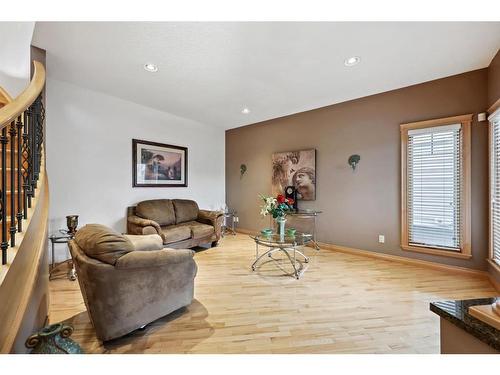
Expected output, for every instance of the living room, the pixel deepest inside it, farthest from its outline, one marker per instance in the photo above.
(250, 187)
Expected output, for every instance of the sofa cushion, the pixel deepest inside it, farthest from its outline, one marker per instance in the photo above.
(159, 210)
(185, 210)
(199, 230)
(102, 243)
(175, 233)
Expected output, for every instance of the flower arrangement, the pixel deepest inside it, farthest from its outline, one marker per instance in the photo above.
(277, 207)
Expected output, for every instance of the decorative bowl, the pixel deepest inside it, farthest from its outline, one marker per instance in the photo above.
(291, 231)
(267, 231)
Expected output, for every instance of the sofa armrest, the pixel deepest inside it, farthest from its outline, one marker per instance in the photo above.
(210, 217)
(153, 258)
(214, 218)
(139, 225)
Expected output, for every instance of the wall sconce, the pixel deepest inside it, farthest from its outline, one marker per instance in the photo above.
(354, 161)
(243, 169)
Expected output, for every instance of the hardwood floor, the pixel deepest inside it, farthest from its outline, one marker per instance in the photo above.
(342, 304)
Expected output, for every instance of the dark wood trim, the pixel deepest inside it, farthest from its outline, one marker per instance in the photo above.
(134, 163)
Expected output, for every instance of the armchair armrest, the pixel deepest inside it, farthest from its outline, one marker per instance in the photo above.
(139, 225)
(153, 258)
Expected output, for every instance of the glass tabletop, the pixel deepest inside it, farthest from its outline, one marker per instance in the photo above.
(298, 239)
(62, 235)
(303, 212)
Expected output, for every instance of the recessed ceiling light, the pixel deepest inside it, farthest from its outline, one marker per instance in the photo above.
(151, 68)
(245, 111)
(351, 61)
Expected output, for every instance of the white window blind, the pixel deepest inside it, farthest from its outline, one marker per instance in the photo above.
(434, 180)
(495, 188)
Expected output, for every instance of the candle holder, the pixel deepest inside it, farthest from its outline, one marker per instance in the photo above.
(72, 223)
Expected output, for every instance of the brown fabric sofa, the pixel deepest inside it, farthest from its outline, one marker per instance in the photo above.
(129, 281)
(179, 222)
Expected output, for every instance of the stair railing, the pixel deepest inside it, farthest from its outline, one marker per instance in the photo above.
(21, 155)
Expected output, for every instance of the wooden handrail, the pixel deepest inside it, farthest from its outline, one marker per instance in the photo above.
(10, 112)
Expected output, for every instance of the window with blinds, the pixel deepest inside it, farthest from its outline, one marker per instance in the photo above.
(495, 188)
(434, 184)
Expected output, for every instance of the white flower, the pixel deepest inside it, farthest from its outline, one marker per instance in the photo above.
(270, 203)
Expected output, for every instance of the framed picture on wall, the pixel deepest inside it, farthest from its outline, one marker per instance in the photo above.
(158, 164)
(295, 168)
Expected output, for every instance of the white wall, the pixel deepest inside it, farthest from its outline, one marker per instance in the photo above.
(15, 39)
(89, 156)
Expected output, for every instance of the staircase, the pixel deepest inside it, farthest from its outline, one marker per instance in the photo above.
(23, 213)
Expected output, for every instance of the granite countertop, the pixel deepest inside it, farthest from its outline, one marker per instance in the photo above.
(457, 312)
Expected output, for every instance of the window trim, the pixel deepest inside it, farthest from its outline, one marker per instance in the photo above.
(465, 231)
(494, 111)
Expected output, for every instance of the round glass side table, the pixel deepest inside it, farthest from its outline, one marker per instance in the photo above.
(63, 236)
(288, 245)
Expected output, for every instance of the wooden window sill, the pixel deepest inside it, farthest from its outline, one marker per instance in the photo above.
(436, 251)
(495, 265)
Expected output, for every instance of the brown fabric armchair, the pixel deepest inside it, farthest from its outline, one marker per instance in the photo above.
(179, 222)
(129, 281)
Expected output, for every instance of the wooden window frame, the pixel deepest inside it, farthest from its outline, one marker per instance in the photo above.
(493, 111)
(465, 230)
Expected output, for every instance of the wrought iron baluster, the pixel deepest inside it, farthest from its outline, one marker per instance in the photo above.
(32, 138)
(39, 134)
(4, 245)
(18, 173)
(42, 123)
(13, 228)
(36, 118)
(26, 163)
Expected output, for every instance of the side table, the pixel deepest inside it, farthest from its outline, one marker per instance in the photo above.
(300, 219)
(229, 215)
(62, 237)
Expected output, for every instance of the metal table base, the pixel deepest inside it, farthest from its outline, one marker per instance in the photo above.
(284, 249)
(63, 238)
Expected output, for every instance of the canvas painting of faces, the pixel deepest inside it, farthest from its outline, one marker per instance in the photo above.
(297, 168)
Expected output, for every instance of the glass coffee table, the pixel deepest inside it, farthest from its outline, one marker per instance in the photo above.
(288, 245)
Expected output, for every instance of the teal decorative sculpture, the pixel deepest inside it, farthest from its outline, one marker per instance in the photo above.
(54, 339)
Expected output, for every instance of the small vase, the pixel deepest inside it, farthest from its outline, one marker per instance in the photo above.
(53, 339)
(281, 227)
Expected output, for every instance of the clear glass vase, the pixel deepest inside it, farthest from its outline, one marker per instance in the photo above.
(280, 224)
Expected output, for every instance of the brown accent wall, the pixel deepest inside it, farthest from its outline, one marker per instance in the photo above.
(494, 80)
(358, 206)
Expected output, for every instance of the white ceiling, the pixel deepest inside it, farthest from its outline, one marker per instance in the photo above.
(209, 71)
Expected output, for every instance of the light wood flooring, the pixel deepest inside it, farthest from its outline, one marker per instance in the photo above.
(342, 304)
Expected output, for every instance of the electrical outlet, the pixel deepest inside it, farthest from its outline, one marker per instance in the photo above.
(381, 238)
